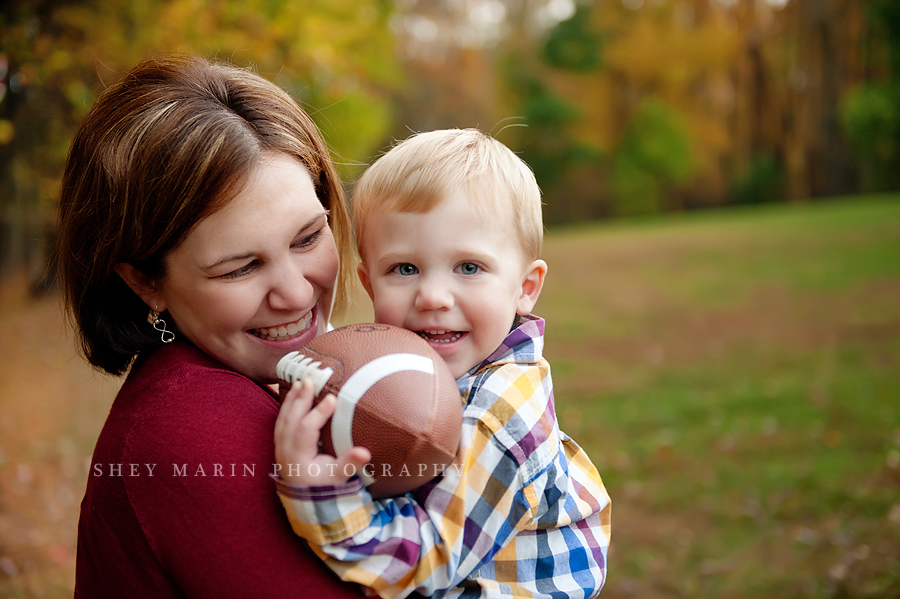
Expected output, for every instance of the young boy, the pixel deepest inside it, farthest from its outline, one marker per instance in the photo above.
(449, 231)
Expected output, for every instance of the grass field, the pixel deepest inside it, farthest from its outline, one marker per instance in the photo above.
(734, 374)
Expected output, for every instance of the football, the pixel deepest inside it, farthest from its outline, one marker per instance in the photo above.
(395, 396)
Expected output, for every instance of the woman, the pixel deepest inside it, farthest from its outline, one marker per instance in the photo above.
(203, 234)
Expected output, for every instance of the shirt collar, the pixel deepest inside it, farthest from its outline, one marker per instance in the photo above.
(524, 343)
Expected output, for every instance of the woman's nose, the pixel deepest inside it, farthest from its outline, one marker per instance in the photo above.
(290, 290)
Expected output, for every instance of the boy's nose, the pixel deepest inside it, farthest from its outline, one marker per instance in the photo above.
(433, 295)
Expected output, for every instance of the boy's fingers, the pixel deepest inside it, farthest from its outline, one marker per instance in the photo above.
(301, 392)
(358, 457)
(288, 434)
(316, 418)
(297, 431)
(352, 462)
(298, 427)
(281, 422)
(296, 402)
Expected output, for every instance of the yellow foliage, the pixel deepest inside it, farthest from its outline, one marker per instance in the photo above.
(7, 131)
(650, 52)
(323, 52)
(658, 54)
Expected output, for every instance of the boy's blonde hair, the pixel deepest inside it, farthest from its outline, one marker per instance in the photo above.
(419, 172)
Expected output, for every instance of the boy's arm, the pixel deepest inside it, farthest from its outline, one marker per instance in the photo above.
(398, 545)
(502, 484)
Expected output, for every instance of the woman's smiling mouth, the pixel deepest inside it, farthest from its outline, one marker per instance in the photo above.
(284, 331)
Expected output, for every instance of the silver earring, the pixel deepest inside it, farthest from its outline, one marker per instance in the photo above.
(159, 324)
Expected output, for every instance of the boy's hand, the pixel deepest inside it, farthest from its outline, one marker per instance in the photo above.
(297, 442)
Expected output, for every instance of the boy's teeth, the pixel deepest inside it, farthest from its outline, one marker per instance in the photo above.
(285, 330)
(432, 336)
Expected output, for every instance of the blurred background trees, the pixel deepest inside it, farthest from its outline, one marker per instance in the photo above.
(621, 107)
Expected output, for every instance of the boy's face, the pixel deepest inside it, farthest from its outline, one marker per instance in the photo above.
(452, 275)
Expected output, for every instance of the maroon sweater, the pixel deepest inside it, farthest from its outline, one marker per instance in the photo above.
(207, 523)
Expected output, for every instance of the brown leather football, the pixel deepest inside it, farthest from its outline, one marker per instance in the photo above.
(396, 397)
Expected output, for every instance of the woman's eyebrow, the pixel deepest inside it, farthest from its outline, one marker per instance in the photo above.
(227, 259)
(233, 258)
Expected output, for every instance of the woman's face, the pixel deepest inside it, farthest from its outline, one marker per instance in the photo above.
(255, 279)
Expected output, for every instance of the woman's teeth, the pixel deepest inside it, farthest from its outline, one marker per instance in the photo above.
(284, 331)
(440, 336)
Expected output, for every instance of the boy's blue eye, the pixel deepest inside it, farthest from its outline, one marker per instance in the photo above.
(468, 268)
(405, 270)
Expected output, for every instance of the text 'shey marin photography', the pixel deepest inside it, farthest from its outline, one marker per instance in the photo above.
(238, 470)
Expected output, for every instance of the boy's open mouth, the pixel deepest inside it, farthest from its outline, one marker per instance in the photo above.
(440, 336)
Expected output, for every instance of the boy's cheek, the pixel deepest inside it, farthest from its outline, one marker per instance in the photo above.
(386, 312)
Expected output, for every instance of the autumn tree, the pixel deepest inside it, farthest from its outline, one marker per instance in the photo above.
(619, 106)
(871, 111)
(336, 57)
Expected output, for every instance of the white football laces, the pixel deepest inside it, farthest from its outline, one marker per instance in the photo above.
(296, 367)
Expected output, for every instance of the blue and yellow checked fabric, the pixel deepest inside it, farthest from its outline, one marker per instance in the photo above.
(522, 513)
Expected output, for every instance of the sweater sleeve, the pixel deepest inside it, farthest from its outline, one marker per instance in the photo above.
(203, 496)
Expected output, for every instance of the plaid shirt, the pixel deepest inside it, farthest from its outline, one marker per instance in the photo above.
(523, 512)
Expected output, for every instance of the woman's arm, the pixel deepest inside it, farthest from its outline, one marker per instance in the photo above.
(209, 511)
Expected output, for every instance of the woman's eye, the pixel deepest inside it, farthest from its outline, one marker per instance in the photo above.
(469, 268)
(307, 241)
(240, 272)
(405, 270)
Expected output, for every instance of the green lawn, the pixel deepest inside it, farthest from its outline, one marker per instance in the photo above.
(736, 377)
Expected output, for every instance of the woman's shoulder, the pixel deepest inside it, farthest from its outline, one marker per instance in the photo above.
(180, 400)
(183, 366)
(179, 377)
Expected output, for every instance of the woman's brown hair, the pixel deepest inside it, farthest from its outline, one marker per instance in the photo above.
(167, 145)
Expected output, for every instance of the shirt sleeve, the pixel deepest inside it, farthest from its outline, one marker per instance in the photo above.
(508, 478)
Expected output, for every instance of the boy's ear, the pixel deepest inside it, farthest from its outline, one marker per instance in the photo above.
(531, 287)
(142, 285)
(363, 272)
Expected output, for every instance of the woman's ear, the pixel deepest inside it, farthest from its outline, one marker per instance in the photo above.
(142, 285)
(531, 287)
(363, 272)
